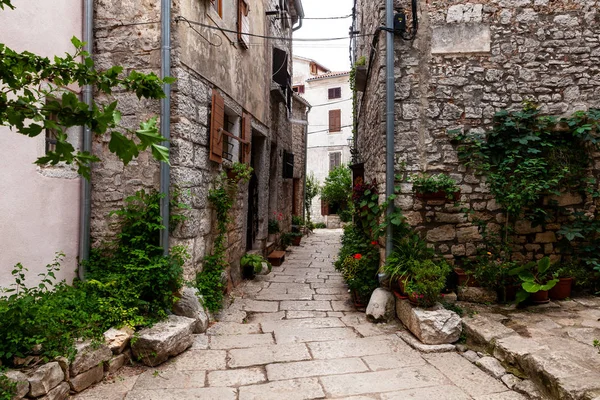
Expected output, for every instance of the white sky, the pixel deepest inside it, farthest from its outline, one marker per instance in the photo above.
(333, 55)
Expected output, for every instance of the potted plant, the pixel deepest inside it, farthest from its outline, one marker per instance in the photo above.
(427, 280)
(295, 238)
(562, 289)
(360, 273)
(253, 264)
(536, 280)
(435, 187)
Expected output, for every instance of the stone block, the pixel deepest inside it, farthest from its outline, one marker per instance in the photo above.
(189, 306)
(22, 383)
(306, 369)
(431, 326)
(296, 335)
(510, 380)
(60, 392)
(441, 234)
(468, 234)
(45, 378)
(118, 339)
(267, 355)
(545, 237)
(477, 294)
(413, 342)
(86, 379)
(165, 339)
(237, 377)
(297, 389)
(492, 366)
(481, 330)
(226, 342)
(461, 38)
(88, 356)
(382, 306)
(116, 363)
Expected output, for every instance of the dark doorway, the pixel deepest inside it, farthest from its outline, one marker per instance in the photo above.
(252, 225)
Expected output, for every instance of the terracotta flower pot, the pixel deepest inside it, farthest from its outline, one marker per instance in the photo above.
(562, 289)
(540, 297)
(296, 240)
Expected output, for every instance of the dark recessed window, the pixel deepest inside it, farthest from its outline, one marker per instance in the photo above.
(335, 93)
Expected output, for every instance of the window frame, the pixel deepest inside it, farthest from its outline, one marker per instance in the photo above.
(217, 6)
(334, 93)
(333, 127)
(243, 23)
(337, 154)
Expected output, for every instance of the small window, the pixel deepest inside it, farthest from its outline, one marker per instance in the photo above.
(51, 137)
(335, 120)
(243, 23)
(335, 93)
(299, 89)
(313, 68)
(218, 6)
(335, 160)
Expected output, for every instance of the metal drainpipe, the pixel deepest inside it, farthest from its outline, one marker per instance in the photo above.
(389, 173)
(305, 165)
(165, 120)
(85, 207)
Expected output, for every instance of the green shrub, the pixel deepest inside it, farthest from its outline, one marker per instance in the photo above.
(252, 264)
(427, 280)
(320, 225)
(434, 184)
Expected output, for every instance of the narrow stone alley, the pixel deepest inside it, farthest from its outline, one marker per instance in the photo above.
(295, 334)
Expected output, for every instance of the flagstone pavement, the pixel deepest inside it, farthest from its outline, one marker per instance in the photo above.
(295, 334)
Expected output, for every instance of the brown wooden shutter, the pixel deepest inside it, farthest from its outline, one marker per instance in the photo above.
(243, 23)
(217, 121)
(245, 148)
(324, 207)
(335, 119)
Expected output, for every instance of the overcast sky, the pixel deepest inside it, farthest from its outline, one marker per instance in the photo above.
(333, 55)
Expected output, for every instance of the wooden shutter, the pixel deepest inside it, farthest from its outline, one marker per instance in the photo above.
(335, 119)
(243, 23)
(335, 160)
(217, 122)
(324, 207)
(245, 148)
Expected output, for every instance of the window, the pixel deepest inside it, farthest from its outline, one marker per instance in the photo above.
(335, 93)
(335, 160)
(243, 23)
(51, 135)
(313, 68)
(299, 89)
(218, 6)
(335, 120)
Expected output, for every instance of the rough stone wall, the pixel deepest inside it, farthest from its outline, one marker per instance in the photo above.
(133, 47)
(470, 60)
(298, 148)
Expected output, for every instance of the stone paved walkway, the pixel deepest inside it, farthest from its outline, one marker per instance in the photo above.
(294, 334)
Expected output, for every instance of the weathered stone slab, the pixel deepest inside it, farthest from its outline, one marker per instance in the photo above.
(267, 354)
(471, 355)
(256, 306)
(382, 381)
(491, 366)
(200, 342)
(297, 389)
(305, 314)
(201, 360)
(277, 296)
(406, 357)
(529, 389)
(236, 377)
(306, 306)
(445, 392)
(231, 315)
(165, 339)
(45, 378)
(345, 305)
(170, 379)
(118, 339)
(189, 306)
(86, 379)
(382, 329)
(481, 330)
(302, 323)
(513, 349)
(508, 395)
(257, 318)
(179, 394)
(240, 341)
(477, 295)
(382, 306)
(116, 363)
(21, 380)
(299, 335)
(88, 356)
(430, 326)
(349, 348)
(232, 328)
(306, 369)
(465, 375)
(416, 344)
(461, 38)
(510, 380)
(60, 392)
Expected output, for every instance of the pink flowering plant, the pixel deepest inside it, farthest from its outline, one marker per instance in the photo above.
(427, 280)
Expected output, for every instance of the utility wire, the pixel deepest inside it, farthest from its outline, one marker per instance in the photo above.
(327, 130)
(341, 17)
(180, 18)
(333, 102)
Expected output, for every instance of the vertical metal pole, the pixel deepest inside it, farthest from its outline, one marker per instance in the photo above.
(165, 120)
(85, 207)
(389, 151)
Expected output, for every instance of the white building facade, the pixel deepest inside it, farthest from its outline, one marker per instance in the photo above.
(329, 124)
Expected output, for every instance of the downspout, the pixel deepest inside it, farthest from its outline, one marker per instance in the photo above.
(300, 11)
(165, 120)
(305, 165)
(85, 206)
(389, 164)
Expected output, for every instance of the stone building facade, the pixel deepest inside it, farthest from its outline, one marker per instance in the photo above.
(224, 77)
(469, 60)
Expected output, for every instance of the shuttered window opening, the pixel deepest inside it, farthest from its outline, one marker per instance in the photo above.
(288, 165)
(218, 6)
(335, 93)
(335, 160)
(299, 89)
(335, 120)
(217, 122)
(245, 148)
(243, 23)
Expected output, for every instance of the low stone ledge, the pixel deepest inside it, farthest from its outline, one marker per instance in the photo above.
(481, 331)
(89, 355)
(165, 339)
(117, 340)
(87, 378)
(413, 342)
(189, 306)
(22, 383)
(61, 392)
(45, 378)
(431, 326)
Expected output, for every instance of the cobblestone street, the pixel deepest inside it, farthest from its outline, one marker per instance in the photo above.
(294, 334)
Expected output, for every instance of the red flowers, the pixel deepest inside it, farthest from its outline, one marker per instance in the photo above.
(374, 243)
(358, 256)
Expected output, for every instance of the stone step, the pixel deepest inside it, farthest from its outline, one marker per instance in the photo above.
(276, 258)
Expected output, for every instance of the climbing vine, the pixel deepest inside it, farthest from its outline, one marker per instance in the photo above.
(209, 281)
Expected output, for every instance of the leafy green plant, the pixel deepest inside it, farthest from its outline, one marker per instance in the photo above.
(597, 344)
(406, 250)
(241, 172)
(337, 189)
(254, 264)
(427, 280)
(360, 273)
(273, 227)
(534, 277)
(311, 190)
(320, 225)
(8, 387)
(434, 184)
(297, 220)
